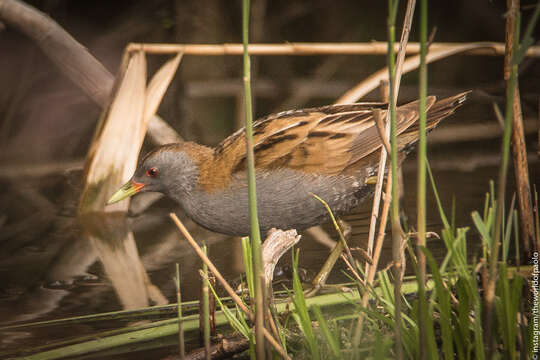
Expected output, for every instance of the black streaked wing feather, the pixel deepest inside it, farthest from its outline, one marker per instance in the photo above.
(327, 140)
(315, 140)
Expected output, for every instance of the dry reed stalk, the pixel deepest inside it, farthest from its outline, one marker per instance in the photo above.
(400, 68)
(490, 285)
(112, 157)
(299, 49)
(376, 253)
(519, 148)
(113, 153)
(225, 284)
(400, 61)
(378, 186)
(394, 79)
(412, 63)
(384, 134)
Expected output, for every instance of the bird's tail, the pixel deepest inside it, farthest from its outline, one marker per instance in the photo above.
(443, 108)
(439, 110)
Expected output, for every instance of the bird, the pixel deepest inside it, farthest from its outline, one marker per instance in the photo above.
(329, 151)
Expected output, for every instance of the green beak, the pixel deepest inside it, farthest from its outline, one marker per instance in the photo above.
(129, 189)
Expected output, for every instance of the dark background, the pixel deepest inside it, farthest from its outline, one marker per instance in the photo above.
(44, 117)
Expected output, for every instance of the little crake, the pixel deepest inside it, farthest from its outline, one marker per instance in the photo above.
(329, 151)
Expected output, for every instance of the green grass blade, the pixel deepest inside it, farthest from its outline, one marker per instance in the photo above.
(528, 40)
(437, 198)
(301, 312)
(443, 303)
(382, 347)
(482, 228)
(248, 264)
(332, 340)
(234, 321)
(508, 230)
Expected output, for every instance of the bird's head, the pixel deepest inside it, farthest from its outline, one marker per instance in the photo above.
(168, 169)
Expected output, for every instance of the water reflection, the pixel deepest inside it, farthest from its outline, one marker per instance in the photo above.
(76, 274)
(113, 243)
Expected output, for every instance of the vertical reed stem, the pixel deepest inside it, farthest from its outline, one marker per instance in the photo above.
(396, 228)
(519, 149)
(253, 217)
(205, 311)
(181, 342)
(503, 170)
(421, 185)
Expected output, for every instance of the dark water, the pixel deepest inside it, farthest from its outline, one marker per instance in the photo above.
(49, 270)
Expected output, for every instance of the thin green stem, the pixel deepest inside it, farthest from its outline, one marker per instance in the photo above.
(396, 228)
(181, 342)
(253, 217)
(421, 185)
(205, 311)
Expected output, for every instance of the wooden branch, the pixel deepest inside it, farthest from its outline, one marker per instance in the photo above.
(224, 349)
(276, 244)
(305, 49)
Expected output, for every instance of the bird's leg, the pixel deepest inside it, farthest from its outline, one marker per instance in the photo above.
(320, 279)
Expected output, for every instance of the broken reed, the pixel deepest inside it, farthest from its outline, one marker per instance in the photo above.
(396, 227)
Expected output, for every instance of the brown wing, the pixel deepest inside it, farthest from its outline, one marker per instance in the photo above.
(314, 140)
(329, 140)
(325, 140)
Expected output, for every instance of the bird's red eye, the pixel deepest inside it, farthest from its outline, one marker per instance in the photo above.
(152, 172)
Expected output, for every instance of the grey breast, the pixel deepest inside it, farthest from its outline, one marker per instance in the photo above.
(284, 199)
